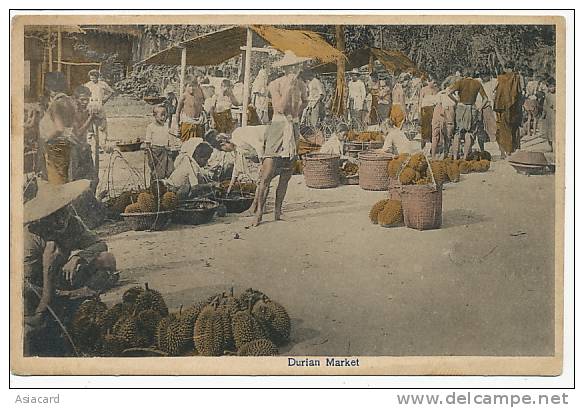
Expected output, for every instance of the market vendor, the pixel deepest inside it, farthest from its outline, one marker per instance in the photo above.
(289, 98)
(334, 144)
(189, 112)
(189, 178)
(395, 141)
(64, 262)
(220, 108)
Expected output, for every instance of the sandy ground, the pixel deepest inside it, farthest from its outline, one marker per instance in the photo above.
(481, 285)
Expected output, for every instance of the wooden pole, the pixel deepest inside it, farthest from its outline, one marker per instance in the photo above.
(50, 45)
(183, 69)
(59, 48)
(339, 97)
(246, 78)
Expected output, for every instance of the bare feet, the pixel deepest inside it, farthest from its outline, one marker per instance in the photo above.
(277, 215)
(257, 220)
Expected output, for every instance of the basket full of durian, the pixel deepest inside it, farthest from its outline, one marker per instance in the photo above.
(152, 210)
(360, 141)
(421, 191)
(349, 173)
(140, 325)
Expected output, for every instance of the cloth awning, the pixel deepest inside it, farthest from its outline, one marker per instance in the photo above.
(394, 61)
(219, 46)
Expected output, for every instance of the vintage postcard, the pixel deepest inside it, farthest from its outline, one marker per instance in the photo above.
(287, 195)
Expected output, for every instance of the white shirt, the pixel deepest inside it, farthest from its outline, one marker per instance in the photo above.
(332, 146)
(98, 91)
(158, 135)
(186, 172)
(396, 140)
(357, 93)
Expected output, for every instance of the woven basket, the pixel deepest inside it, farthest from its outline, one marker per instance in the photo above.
(195, 212)
(421, 204)
(235, 202)
(353, 148)
(373, 174)
(129, 147)
(153, 221)
(321, 170)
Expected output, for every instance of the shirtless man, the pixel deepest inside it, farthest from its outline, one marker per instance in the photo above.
(189, 112)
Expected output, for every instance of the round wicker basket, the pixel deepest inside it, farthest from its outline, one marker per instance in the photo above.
(195, 212)
(154, 221)
(373, 174)
(422, 206)
(321, 170)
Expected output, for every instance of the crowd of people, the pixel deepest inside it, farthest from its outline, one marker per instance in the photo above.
(195, 140)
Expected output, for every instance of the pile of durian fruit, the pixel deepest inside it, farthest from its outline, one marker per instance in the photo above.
(365, 136)
(157, 199)
(415, 171)
(238, 187)
(387, 213)
(349, 169)
(249, 325)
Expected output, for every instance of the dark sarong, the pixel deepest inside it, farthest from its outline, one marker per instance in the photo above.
(223, 122)
(160, 163)
(426, 114)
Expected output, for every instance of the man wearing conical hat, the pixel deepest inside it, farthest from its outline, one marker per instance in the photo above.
(289, 98)
(64, 262)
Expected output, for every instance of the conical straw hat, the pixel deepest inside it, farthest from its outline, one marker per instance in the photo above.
(51, 198)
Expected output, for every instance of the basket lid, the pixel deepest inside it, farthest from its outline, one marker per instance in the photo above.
(526, 157)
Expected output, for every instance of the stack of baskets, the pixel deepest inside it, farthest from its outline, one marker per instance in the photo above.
(321, 170)
(373, 173)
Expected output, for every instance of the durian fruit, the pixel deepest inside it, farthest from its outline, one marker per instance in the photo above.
(378, 137)
(129, 297)
(298, 167)
(423, 181)
(147, 202)
(407, 176)
(418, 162)
(418, 177)
(439, 170)
(85, 325)
(151, 299)
(208, 332)
(187, 322)
(246, 327)
(133, 208)
(476, 166)
(147, 322)
(119, 204)
(376, 209)
(274, 317)
(394, 166)
(112, 346)
(392, 213)
(464, 167)
(453, 172)
(113, 314)
(350, 168)
(250, 295)
(229, 306)
(158, 189)
(170, 335)
(126, 330)
(256, 348)
(169, 201)
(485, 165)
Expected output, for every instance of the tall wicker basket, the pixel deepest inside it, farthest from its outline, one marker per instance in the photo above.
(422, 204)
(373, 174)
(321, 170)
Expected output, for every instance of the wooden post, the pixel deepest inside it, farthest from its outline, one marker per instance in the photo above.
(183, 70)
(50, 45)
(59, 48)
(246, 78)
(339, 97)
(68, 76)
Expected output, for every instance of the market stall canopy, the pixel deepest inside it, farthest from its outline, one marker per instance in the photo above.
(219, 46)
(394, 61)
(74, 29)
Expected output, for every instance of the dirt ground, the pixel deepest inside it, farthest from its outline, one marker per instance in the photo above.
(481, 285)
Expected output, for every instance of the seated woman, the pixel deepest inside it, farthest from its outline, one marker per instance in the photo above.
(189, 179)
